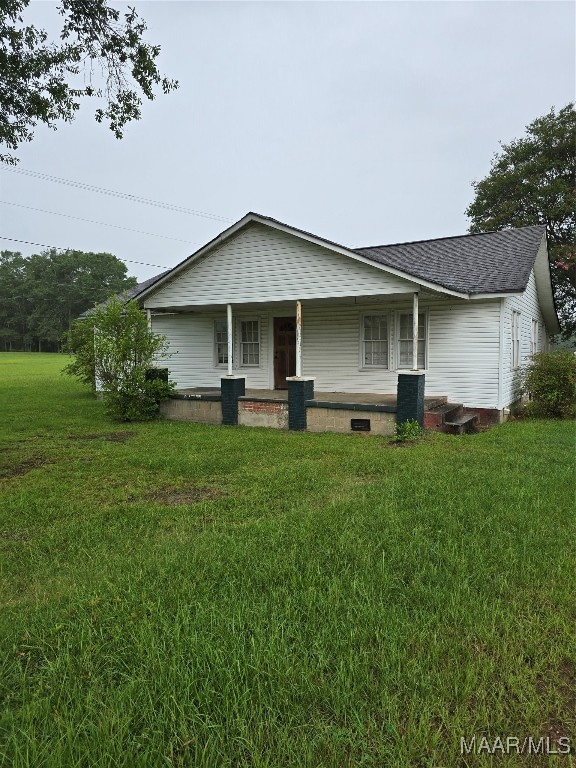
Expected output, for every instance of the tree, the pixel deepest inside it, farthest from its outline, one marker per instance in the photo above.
(13, 301)
(40, 296)
(115, 348)
(37, 76)
(532, 181)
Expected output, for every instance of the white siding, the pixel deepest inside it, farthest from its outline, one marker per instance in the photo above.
(528, 306)
(462, 355)
(191, 337)
(261, 264)
(462, 350)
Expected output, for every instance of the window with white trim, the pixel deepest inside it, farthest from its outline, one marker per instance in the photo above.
(220, 342)
(534, 333)
(405, 336)
(375, 341)
(515, 339)
(249, 343)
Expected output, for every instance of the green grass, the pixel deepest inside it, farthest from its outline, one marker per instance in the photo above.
(199, 596)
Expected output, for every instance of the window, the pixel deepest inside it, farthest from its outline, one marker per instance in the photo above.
(534, 337)
(249, 343)
(220, 342)
(515, 339)
(375, 341)
(405, 340)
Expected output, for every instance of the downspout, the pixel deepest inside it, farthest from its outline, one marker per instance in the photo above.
(500, 398)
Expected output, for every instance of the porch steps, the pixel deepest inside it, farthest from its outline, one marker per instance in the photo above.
(450, 418)
(464, 424)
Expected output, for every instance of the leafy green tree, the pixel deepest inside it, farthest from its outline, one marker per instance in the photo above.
(40, 296)
(115, 350)
(532, 181)
(37, 76)
(14, 302)
(64, 284)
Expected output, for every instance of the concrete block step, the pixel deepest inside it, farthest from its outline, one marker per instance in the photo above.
(439, 413)
(462, 424)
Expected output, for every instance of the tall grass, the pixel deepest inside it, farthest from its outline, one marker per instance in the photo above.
(191, 595)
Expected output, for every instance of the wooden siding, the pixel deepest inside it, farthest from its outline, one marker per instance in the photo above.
(528, 306)
(264, 265)
(462, 358)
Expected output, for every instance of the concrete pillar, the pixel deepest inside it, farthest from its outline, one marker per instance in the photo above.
(410, 398)
(299, 391)
(231, 388)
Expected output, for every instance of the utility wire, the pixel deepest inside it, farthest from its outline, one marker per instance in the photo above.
(114, 193)
(58, 247)
(102, 223)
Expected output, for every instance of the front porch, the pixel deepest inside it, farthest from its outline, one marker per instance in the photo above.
(374, 413)
(360, 400)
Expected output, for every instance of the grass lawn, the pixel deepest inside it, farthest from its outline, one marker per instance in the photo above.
(176, 594)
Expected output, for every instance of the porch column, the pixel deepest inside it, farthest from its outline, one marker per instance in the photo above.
(230, 337)
(298, 339)
(415, 331)
(231, 387)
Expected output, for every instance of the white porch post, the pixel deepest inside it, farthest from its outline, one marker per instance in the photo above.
(149, 319)
(298, 339)
(230, 337)
(415, 331)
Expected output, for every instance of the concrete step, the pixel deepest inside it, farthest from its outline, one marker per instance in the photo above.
(435, 418)
(433, 402)
(463, 424)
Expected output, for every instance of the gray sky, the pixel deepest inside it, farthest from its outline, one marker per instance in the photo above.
(363, 122)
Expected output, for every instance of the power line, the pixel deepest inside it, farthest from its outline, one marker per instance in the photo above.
(58, 247)
(102, 223)
(114, 193)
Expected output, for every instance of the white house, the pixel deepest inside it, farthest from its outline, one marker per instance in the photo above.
(483, 305)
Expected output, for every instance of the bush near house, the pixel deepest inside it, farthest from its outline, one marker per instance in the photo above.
(115, 349)
(550, 382)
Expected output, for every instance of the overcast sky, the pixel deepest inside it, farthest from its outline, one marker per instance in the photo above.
(362, 122)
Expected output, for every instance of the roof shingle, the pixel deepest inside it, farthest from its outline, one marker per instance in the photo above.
(491, 262)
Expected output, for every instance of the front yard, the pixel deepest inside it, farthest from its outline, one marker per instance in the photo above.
(188, 595)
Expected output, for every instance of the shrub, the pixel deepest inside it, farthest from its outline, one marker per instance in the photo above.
(550, 382)
(408, 430)
(114, 350)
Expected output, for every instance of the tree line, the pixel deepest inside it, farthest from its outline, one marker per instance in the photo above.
(41, 295)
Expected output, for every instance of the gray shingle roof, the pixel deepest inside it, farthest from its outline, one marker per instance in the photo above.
(491, 262)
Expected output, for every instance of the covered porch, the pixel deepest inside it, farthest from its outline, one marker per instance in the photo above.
(265, 358)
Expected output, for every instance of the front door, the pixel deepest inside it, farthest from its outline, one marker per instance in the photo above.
(284, 350)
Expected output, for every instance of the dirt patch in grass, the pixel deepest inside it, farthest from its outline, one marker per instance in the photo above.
(170, 495)
(111, 437)
(14, 536)
(402, 443)
(23, 466)
(560, 723)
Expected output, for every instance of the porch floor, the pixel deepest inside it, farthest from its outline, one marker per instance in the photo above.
(361, 398)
